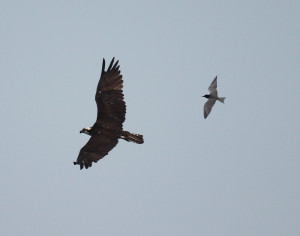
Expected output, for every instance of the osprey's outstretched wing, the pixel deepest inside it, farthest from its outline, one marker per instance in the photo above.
(96, 148)
(110, 99)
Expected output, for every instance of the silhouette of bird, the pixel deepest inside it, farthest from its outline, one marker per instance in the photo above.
(212, 97)
(108, 128)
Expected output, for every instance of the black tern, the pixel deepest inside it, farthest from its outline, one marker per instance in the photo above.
(212, 97)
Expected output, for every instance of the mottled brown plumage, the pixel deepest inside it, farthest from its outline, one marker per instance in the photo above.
(108, 127)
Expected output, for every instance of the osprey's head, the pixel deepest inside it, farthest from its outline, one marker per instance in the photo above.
(86, 130)
(206, 96)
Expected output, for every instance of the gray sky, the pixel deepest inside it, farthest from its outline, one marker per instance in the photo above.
(235, 173)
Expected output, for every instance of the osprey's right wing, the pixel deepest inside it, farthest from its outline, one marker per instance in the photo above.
(110, 98)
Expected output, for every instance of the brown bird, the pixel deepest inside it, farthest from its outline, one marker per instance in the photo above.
(108, 127)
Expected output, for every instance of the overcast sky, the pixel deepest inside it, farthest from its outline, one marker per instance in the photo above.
(235, 173)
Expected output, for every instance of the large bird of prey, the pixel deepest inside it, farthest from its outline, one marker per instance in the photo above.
(212, 97)
(108, 127)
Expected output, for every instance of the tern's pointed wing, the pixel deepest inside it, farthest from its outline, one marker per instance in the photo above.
(213, 87)
(208, 106)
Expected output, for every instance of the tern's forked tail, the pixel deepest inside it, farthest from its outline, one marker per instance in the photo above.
(221, 99)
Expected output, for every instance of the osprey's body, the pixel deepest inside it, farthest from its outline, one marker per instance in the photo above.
(130, 137)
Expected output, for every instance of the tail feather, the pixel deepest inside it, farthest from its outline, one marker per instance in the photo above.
(131, 137)
(221, 99)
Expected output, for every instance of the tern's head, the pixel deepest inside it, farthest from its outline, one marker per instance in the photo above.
(206, 96)
(86, 130)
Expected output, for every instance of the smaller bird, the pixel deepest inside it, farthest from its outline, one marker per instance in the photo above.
(212, 97)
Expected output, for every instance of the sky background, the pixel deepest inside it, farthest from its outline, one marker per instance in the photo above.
(235, 173)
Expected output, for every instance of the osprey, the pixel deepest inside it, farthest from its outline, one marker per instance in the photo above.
(212, 97)
(108, 127)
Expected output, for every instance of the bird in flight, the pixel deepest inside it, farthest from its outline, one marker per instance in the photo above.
(108, 127)
(212, 97)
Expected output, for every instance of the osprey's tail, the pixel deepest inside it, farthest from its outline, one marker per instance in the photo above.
(221, 99)
(130, 137)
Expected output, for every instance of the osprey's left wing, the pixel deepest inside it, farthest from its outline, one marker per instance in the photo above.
(96, 148)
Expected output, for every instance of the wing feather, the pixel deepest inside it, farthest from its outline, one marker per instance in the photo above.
(213, 86)
(208, 107)
(96, 148)
(110, 98)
